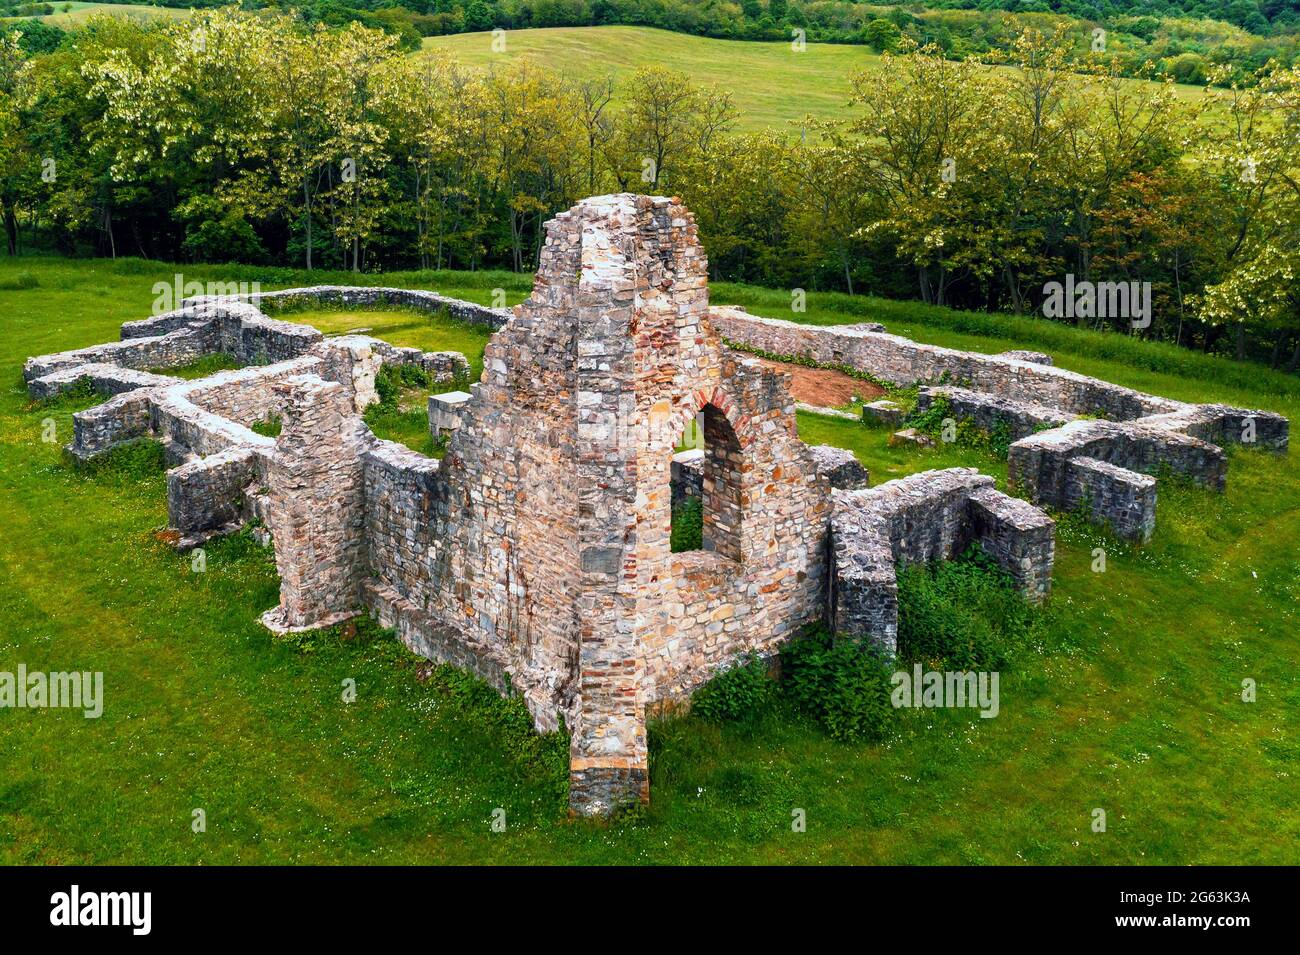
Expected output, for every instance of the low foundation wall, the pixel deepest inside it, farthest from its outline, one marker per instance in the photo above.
(934, 515)
(1038, 464)
(991, 412)
(347, 297)
(247, 395)
(126, 417)
(1018, 536)
(107, 380)
(1123, 499)
(904, 362)
(180, 347)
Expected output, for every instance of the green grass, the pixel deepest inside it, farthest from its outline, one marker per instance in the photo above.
(80, 12)
(773, 86)
(408, 423)
(1131, 702)
(407, 327)
(207, 365)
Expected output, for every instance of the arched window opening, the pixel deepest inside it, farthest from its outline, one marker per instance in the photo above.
(706, 487)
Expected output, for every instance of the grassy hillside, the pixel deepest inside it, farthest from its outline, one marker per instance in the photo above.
(772, 84)
(1130, 701)
(73, 13)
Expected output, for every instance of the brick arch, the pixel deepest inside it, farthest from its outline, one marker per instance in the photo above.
(695, 401)
(728, 437)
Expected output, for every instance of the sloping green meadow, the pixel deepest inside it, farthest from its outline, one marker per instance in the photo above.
(1130, 703)
(772, 84)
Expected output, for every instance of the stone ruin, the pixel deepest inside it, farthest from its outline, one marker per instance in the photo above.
(536, 552)
(1078, 443)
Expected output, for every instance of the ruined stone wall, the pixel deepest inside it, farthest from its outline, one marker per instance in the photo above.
(442, 367)
(1038, 464)
(107, 380)
(255, 339)
(318, 506)
(246, 395)
(929, 516)
(208, 494)
(903, 362)
(993, 412)
(401, 490)
(126, 417)
(1039, 406)
(158, 325)
(186, 335)
(1111, 495)
(348, 297)
(186, 430)
(539, 547)
(180, 347)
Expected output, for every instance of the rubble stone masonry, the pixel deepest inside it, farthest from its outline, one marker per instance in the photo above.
(541, 543)
(536, 552)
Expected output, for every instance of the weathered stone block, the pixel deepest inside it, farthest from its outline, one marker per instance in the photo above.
(882, 411)
(911, 436)
(445, 412)
(352, 361)
(841, 468)
(118, 420)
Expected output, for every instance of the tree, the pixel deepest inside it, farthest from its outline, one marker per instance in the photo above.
(915, 151)
(593, 98)
(668, 123)
(882, 35)
(1255, 158)
(478, 17)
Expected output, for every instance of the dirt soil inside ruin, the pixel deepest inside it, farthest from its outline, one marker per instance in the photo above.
(824, 386)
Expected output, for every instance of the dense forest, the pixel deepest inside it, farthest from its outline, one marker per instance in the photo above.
(259, 138)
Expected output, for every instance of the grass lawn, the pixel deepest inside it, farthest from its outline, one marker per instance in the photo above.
(406, 327)
(772, 84)
(70, 14)
(407, 424)
(1131, 703)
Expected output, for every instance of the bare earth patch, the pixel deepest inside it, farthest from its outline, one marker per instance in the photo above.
(824, 386)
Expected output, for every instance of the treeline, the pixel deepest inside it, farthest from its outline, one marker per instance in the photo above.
(254, 138)
(1158, 37)
(1186, 40)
